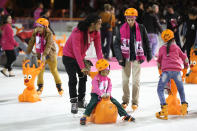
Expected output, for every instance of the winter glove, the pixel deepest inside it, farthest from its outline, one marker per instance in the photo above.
(43, 58)
(122, 63)
(85, 71)
(88, 64)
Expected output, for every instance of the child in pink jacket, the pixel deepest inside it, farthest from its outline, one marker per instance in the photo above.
(169, 61)
(101, 88)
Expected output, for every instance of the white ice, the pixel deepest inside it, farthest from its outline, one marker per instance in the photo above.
(53, 112)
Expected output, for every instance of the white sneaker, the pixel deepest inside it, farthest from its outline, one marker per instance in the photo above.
(5, 72)
(11, 74)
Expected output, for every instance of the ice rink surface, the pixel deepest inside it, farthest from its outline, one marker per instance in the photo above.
(53, 112)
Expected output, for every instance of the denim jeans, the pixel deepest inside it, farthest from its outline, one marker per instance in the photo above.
(165, 77)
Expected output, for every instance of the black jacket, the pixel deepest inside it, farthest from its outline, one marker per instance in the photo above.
(190, 33)
(151, 22)
(145, 44)
(177, 19)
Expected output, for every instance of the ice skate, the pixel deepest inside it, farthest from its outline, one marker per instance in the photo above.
(4, 72)
(128, 118)
(74, 105)
(40, 89)
(59, 89)
(83, 121)
(124, 105)
(134, 107)
(11, 74)
(163, 114)
(82, 104)
(184, 108)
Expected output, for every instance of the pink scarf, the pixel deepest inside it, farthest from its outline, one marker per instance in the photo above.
(40, 43)
(125, 42)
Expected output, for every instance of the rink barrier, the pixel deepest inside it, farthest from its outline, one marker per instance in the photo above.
(20, 58)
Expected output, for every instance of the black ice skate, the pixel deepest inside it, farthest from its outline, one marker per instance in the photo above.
(74, 105)
(40, 89)
(59, 89)
(83, 121)
(128, 118)
(82, 104)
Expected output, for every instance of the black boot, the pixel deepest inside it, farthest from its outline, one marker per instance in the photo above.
(59, 89)
(74, 105)
(40, 89)
(82, 103)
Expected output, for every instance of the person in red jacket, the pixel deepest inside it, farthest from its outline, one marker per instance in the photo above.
(74, 52)
(8, 44)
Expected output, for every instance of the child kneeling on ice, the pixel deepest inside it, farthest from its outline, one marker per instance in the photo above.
(169, 61)
(101, 88)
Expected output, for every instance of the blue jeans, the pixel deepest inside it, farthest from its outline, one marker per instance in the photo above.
(165, 77)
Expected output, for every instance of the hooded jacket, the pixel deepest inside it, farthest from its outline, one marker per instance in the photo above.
(49, 49)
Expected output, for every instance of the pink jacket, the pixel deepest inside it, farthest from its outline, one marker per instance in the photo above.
(76, 49)
(174, 60)
(101, 85)
(37, 13)
(7, 40)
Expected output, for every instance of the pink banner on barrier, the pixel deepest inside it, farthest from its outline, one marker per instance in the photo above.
(115, 66)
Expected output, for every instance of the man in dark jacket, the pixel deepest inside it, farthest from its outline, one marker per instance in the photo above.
(173, 21)
(189, 31)
(131, 46)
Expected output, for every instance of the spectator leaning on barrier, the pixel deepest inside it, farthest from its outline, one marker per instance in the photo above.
(131, 46)
(74, 52)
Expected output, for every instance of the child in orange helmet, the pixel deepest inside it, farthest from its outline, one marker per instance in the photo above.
(102, 89)
(42, 38)
(169, 61)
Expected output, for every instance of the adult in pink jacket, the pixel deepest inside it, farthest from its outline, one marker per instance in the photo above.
(74, 52)
(8, 44)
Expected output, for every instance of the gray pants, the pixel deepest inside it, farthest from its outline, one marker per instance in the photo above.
(126, 71)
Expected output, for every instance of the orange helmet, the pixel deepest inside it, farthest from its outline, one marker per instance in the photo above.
(102, 64)
(43, 21)
(131, 12)
(167, 35)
